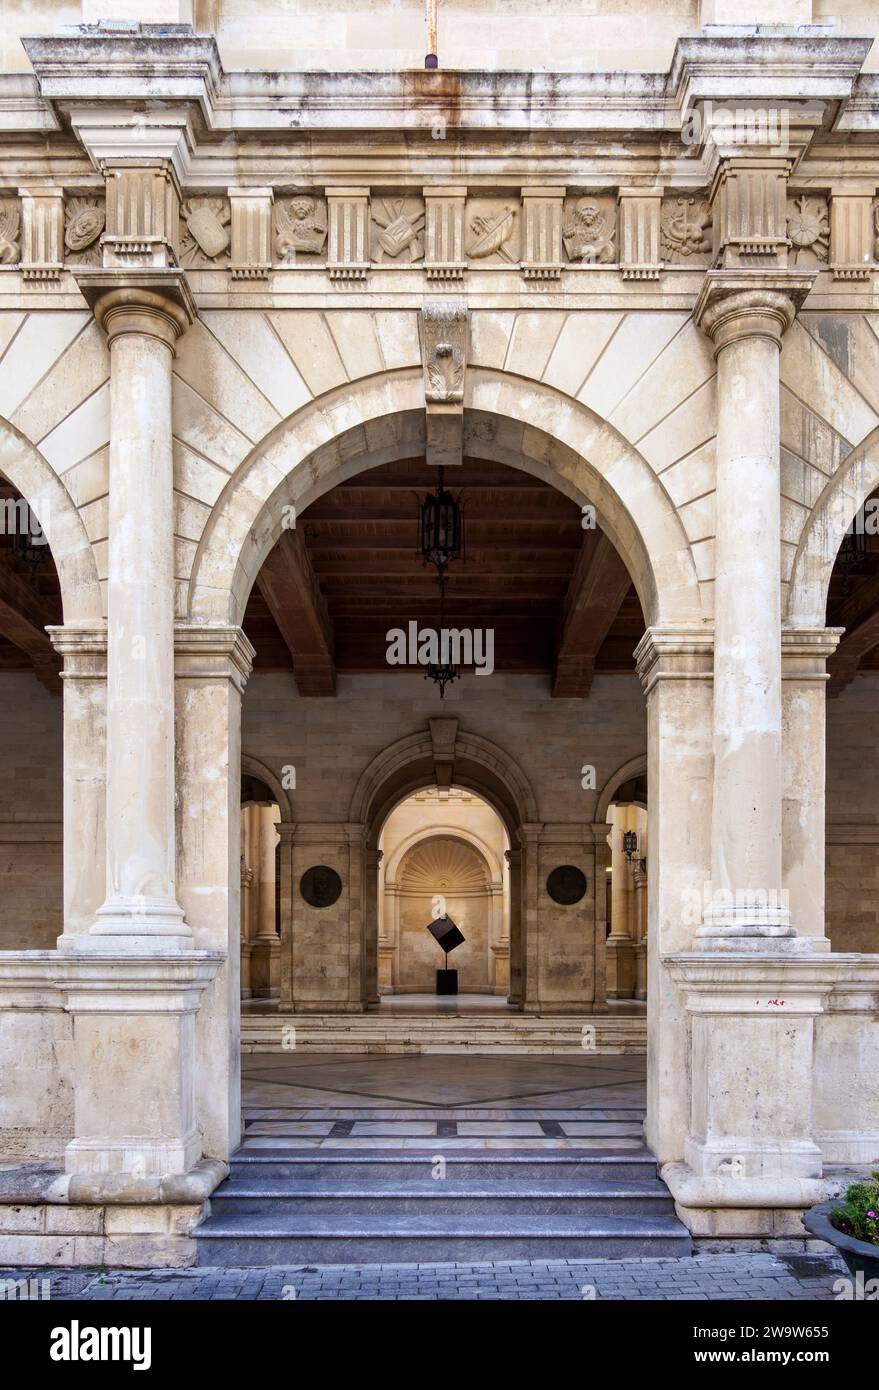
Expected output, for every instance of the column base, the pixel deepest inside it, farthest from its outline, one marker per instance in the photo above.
(133, 1156)
(145, 923)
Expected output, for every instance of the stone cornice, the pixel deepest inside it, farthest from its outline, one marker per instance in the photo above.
(736, 304)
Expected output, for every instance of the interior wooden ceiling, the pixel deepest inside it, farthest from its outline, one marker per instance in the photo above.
(557, 596)
(526, 558)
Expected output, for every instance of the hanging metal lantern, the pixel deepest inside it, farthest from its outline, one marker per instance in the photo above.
(441, 532)
(630, 844)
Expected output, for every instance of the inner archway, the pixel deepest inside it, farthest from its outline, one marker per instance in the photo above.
(443, 854)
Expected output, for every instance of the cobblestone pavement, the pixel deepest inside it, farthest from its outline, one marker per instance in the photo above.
(750, 1276)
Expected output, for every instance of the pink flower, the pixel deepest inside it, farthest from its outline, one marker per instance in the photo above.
(872, 1213)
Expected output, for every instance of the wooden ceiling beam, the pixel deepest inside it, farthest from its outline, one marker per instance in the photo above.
(24, 617)
(292, 594)
(599, 585)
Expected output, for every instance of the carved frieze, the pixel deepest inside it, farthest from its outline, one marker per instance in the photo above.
(808, 230)
(10, 230)
(84, 220)
(685, 231)
(493, 231)
(205, 233)
(300, 229)
(589, 231)
(397, 230)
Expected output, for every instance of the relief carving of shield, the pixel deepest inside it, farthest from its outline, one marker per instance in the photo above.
(206, 228)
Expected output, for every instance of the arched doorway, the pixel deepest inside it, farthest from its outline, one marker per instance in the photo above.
(443, 853)
(500, 425)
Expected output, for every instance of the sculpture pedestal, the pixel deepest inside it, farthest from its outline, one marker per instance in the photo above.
(447, 982)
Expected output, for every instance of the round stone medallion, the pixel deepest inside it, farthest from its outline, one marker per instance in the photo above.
(566, 884)
(320, 886)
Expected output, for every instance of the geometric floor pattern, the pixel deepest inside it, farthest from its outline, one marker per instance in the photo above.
(442, 1102)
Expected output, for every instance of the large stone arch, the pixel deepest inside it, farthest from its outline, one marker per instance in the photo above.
(508, 418)
(43, 490)
(254, 768)
(839, 503)
(409, 764)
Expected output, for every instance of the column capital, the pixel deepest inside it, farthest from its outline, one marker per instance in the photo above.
(152, 303)
(735, 304)
(804, 651)
(212, 652)
(83, 648)
(675, 653)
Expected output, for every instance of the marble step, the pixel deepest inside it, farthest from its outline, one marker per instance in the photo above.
(285, 1197)
(478, 1166)
(431, 1034)
(246, 1240)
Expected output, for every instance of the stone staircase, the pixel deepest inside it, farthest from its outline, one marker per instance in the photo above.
(608, 1034)
(414, 1186)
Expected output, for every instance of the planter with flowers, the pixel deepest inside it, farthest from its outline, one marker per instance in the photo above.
(851, 1223)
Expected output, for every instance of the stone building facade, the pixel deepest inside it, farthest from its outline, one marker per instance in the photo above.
(243, 261)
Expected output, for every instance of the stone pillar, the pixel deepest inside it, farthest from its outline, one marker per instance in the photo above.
(804, 676)
(846, 1103)
(599, 893)
(620, 946)
(142, 326)
(372, 859)
(751, 1161)
(245, 914)
(640, 895)
(265, 957)
(514, 863)
(213, 663)
(746, 314)
(286, 831)
(84, 652)
(674, 666)
(529, 926)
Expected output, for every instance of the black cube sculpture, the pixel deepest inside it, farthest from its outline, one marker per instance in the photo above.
(447, 935)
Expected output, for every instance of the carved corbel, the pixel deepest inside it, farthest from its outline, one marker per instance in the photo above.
(444, 342)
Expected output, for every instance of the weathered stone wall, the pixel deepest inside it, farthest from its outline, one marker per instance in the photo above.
(30, 814)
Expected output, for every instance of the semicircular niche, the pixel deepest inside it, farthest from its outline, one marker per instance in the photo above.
(442, 864)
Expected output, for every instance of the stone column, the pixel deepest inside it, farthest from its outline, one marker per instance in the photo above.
(640, 895)
(804, 684)
(372, 863)
(674, 666)
(142, 326)
(286, 831)
(213, 664)
(746, 314)
(599, 894)
(84, 652)
(265, 957)
(530, 950)
(246, 886)
(514, 861)
(620, 946)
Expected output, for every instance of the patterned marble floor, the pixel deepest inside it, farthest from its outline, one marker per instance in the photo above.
(441, 1102)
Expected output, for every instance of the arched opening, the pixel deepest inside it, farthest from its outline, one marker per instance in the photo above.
(443, 855)
(852, 827)
(31, 731)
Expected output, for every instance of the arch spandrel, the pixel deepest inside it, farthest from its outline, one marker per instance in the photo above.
(822, 535)
(364, 424)
(31, 475)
